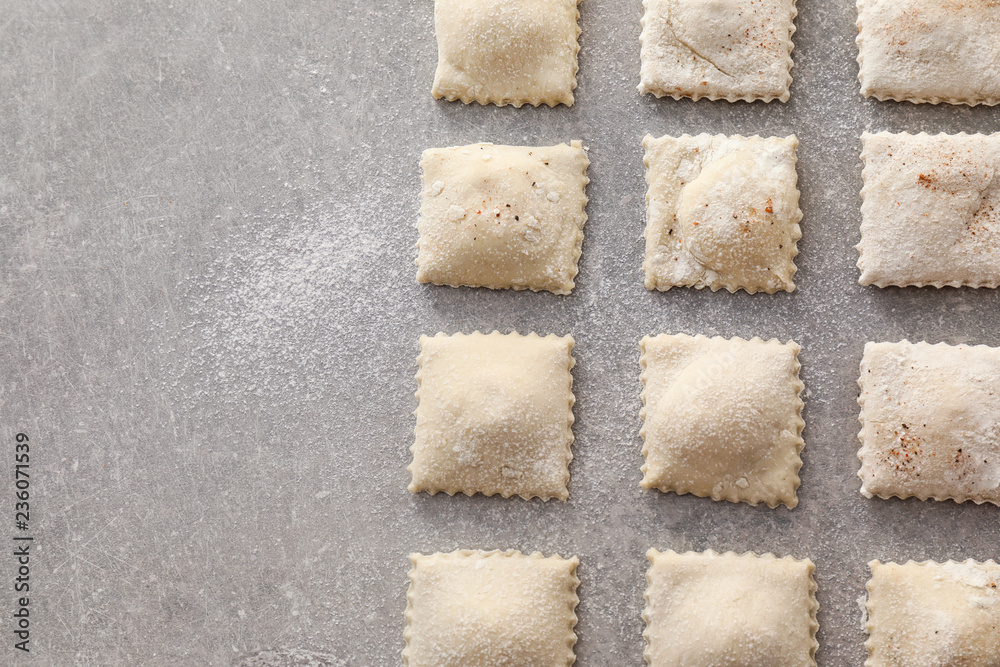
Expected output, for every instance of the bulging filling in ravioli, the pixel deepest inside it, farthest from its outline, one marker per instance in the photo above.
(735, 220)
(502, 437)
(721, 425)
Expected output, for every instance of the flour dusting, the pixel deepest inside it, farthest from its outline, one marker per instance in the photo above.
(269, 313)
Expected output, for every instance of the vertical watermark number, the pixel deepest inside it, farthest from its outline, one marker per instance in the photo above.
(22, 542)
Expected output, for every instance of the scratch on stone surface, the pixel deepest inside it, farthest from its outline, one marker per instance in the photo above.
(81, 500)
(94, 565)
(76, 554)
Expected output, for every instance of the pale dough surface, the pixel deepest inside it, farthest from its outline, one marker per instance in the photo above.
(506, 51)
(719, 49)
(728, 610)
(722, 418)
(930, 50)
(494, 415)
(934, 614)
(502, 216)
(490, 609)
(930, 421)
(931, 210)
(721, 212)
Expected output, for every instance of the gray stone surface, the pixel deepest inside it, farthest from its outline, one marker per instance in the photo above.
(209, 321)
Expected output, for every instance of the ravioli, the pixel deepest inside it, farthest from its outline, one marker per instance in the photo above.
(934, 614)
(930, 51)
(494, 415)
(710, 609)
(503, 217)
(931, 210)
(722, 418)
(721, 212)
(506, 51)
(930, 422)
(719, 49)
(490, 609)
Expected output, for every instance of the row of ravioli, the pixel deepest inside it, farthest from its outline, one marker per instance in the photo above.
(721, 212)
(525, 52)
(479, 608)
(721, 418)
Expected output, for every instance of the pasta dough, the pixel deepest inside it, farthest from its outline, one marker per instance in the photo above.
(721, 418)
(712, 610)
(930, 50)
(506, 51)
(931, 211)
(719, 49)
(502, 216)
(490, 609)
(934, 614)
(494, 415)
(722, 212)
(930, 422)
